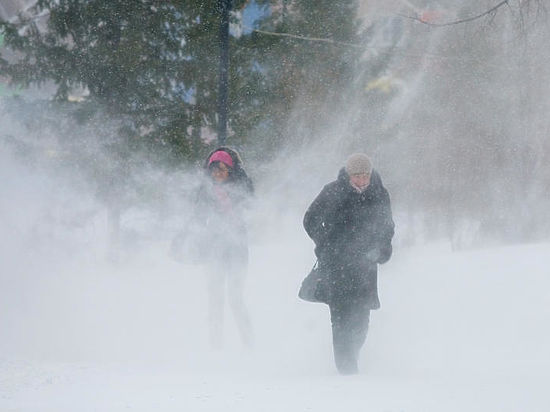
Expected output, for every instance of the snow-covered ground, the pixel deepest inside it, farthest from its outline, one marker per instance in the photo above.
(457, 331)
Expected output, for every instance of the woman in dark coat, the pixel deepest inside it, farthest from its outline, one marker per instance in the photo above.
(220, 207)
(351, 224)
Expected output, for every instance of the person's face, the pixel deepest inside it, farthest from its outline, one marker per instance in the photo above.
(360, 180)
(220, 172)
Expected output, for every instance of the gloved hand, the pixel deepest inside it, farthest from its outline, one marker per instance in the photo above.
(385, 253)
(379, 255)
(373, 255)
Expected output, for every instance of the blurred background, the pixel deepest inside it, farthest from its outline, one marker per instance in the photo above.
(108, 108)
(113, 102)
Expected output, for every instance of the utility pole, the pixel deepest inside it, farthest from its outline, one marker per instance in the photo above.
(224, 7)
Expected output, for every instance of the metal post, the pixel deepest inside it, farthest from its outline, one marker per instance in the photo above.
(224, 7)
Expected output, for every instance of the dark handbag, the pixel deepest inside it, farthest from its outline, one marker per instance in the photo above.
(314, 287)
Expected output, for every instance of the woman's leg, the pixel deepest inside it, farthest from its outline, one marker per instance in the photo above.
(350, 320)
(236, 277)
(216, 302)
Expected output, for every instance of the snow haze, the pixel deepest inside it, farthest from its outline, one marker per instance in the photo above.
(96, 315)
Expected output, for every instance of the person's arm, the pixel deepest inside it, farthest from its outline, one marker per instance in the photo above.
(317, 218)
(386, 228)
(194, 221)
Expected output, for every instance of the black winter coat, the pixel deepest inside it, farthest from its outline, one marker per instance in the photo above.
(352, 232)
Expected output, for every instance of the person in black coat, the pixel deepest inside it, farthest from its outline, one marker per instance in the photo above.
(351, 223)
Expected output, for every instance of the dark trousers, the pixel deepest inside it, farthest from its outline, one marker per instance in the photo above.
(350, 322)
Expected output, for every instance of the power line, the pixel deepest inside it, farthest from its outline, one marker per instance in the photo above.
(296, 36)
(381, 50)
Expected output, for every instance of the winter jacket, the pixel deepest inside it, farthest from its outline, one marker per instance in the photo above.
(352, 232)
(219, 210)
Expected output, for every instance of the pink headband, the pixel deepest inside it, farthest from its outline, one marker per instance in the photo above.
(221, 156)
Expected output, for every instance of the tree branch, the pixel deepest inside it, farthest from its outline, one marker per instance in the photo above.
(466, 20)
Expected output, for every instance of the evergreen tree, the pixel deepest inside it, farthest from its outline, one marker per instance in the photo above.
(150, 64)
(153, 66)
